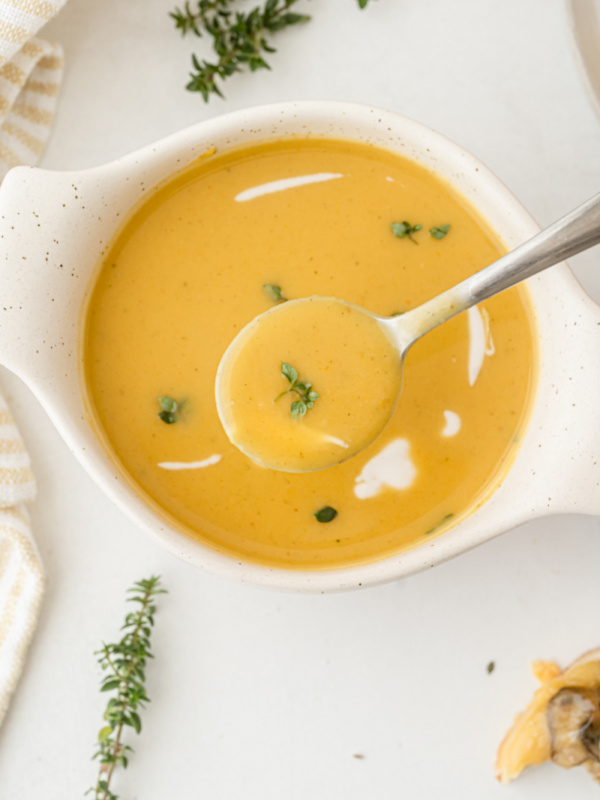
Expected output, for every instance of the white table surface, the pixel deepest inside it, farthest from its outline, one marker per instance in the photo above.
(266, 696)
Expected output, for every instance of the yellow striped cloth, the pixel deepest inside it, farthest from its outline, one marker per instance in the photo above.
(30, 77)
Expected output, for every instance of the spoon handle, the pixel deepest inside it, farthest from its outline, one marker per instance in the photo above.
(573, 233)
(577, 231)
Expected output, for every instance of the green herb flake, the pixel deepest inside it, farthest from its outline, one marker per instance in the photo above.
(274, 292)
(304, 390)
(298, 409)
(404, 230)
(169, 409)
(325, 514)
(439, 524)
(491, 667)
(289, 372)
(440, 231)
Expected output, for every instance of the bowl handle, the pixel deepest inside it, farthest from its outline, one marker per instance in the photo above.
(565, 429)
(54, 227)
(39, 279)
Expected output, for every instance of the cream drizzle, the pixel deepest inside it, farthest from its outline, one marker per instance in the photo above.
(453, 423)
(207, 462)
(285, 183)
(391, 468)
(481, 343)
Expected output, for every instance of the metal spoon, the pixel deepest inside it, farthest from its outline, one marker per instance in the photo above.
(572, 234)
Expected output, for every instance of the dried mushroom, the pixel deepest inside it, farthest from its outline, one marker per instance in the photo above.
(591, 738)
(561, 723)
(573, 719)
(593, 767)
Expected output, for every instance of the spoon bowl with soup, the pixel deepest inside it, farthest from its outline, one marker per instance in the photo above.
(356, 358)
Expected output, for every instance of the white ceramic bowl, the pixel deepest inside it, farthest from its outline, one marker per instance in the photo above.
(54, 226)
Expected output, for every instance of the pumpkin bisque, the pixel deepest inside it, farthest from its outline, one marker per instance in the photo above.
(249, 228)
(561, 724)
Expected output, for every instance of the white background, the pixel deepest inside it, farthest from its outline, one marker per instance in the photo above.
(265, 696)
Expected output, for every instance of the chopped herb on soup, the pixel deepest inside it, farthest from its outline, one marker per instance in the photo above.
(304, 390)
(404, 230)
(169, 409)
(440, 231)
(274, 292)
(325, 514)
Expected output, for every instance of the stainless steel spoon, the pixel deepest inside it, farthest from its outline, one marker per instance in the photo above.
(572, 234)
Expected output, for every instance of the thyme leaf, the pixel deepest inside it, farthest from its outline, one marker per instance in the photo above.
(440, 231)
(298, 409)
(325, 514)
(289, 372)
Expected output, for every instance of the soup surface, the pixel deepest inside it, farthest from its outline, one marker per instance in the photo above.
(288, 219)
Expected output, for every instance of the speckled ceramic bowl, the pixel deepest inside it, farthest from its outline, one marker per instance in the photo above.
(54, 226)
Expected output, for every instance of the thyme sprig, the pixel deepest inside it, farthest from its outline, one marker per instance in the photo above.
(302, 389)
(125, 663)
(239, 39)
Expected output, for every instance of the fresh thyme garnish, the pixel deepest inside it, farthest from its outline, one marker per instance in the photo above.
(325, 514)
(125, 662)
(303, 390)
(439, 231)
(170, 409)
(239, 38)
(274, 292)
(397, 313)
(404, 230)
(490, 667)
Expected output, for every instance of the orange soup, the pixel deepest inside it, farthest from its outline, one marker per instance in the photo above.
(280, 220)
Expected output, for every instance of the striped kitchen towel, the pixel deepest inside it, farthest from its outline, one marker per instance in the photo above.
(21, 576)
(30, 76)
